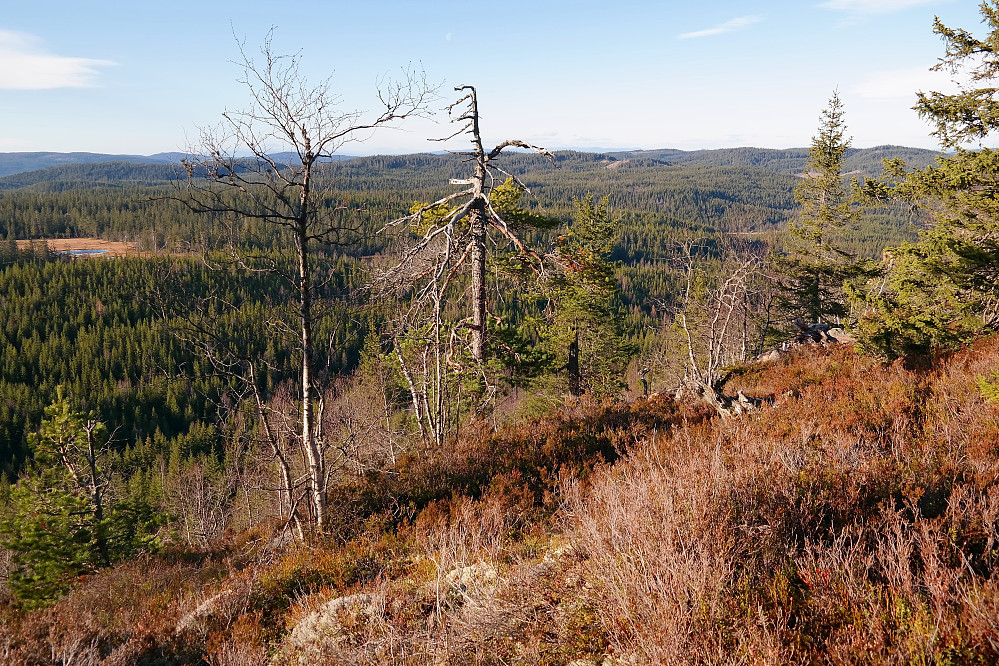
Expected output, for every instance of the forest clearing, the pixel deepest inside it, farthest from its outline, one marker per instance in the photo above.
(86, 248)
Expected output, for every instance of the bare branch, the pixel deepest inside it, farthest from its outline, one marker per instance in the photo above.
(286, 113)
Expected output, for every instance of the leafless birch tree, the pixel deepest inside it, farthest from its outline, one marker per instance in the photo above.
(719, 318)
(239, 180)
(715, 336)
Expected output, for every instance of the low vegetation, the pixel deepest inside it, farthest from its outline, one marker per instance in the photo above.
(853, 519)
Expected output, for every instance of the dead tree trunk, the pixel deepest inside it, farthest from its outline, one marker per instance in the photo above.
(572, 368)
(454, 238)
(97, 483)
(477, 232)
(477, 258)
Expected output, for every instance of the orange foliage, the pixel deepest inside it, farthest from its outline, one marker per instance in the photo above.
(855, 519)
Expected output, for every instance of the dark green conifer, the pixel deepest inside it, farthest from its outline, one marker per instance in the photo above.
(945, 287)
(56, 523)
(814, 264)
(60, 521)
(583, 324)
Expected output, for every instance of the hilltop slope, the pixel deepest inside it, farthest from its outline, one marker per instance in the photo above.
(854, 519)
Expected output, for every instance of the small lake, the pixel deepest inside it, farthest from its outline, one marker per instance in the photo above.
(82, 252)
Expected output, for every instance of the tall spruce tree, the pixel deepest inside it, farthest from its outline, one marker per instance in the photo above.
(814, 265)
(944, 288)
(582, 328)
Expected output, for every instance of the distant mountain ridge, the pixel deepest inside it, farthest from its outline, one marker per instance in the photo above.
(787, 160)
(784, 160)
(15, 163)
(12, 163)
(71, 176)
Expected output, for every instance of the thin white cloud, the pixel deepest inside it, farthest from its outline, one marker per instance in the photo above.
(872, 6)
(903, 83)
(720, 29)
(26, 65)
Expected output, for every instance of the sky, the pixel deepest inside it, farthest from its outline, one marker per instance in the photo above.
(144, 77)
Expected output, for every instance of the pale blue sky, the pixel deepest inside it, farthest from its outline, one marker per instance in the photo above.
(140, 77)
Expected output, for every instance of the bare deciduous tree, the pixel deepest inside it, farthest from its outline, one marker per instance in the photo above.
(720, 318)
(240, 180)
(218, 331)
(716, 342)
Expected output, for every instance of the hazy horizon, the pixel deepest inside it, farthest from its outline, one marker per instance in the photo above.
(95, 77)
(594, 150)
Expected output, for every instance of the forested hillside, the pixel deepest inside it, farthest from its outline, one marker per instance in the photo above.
(707, 194)
(116, 336)
(503, 405)
(91, 166)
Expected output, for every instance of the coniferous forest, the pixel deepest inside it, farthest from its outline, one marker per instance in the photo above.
(507, 405)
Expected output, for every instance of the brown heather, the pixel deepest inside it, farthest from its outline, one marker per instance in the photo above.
(853, 520)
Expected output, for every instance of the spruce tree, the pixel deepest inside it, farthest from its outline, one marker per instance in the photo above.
(814, 265)
(582, 329)
(60, 520)
(55, 523)
(944, 288)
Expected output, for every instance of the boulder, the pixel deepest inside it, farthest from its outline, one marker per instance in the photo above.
(841, 336)
(315, 634)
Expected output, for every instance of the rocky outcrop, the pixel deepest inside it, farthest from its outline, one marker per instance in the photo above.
(808, 334)
(211, 608)
(351, 624)
(725, 405)
(474, 577)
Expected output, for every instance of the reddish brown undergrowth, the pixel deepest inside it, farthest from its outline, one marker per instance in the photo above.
(854, 519)
(528, 459)
(125, 615)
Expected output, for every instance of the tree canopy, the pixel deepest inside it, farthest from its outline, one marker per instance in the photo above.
(943, 288)
(815, 263)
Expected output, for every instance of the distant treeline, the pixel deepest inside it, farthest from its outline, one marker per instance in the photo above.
(732, 190)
